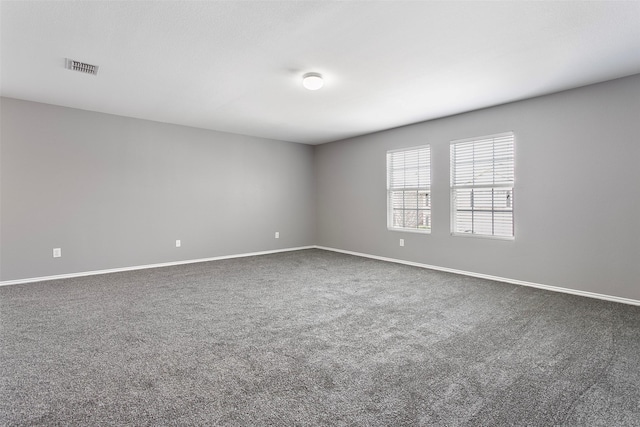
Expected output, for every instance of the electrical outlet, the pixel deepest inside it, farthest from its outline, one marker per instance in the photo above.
(178, 243)
(401, 242)
(277, 234)
(57, 252)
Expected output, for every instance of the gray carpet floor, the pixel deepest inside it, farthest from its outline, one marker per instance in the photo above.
(312, 338)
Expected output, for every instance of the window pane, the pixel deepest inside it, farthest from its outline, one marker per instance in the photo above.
(482, 223)
(483, 199)
(398, 218)
(503, 199)
(503, 224)
(463, 222)
(410, 219)
(424, 200)
(397, 199)
(411, 200)
(424, 219)
(463, 198)
(397, 178)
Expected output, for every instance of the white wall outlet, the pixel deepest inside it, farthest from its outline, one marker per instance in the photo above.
(57, 252)
(401, 242)
(178, 243)
(277, 234)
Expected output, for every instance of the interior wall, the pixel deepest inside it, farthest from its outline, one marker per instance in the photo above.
(576, 196)
(115, 192)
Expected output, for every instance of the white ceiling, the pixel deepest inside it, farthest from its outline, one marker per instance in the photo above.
(236, 66)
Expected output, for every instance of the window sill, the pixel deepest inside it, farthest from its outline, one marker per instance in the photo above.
(483, 236)
(409, 230)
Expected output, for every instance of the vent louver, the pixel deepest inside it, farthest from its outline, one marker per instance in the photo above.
(83, 67)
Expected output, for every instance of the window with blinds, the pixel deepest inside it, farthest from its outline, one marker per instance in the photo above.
(409, 189)
(482, 179)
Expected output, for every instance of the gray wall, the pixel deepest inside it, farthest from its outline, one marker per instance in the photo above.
(577, 192)
(117, 192)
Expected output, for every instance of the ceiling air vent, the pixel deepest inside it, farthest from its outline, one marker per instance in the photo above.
(83, 67)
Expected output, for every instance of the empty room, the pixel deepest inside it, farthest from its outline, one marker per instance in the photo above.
(320, 213)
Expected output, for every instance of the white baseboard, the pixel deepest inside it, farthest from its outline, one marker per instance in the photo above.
(360, 254)
(495, 278)
(142, 267)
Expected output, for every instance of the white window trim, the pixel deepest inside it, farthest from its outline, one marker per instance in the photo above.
(390, 227)
(452, 189)
(409, 230)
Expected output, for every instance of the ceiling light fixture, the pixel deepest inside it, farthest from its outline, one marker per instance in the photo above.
(312, 81)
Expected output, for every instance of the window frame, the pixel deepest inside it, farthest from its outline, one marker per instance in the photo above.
(500, 186)
(418, 189)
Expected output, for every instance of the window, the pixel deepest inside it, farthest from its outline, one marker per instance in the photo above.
(482, 181)
(409, 189)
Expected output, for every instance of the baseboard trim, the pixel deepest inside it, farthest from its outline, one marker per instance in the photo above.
(143, 267)
(489, 277)
(360, 254)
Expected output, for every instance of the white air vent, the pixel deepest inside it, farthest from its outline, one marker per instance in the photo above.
(83, 67)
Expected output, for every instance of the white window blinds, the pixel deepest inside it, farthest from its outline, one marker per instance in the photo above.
(408, 189)
(482, 179)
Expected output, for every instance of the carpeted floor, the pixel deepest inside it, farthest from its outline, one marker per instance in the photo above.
(312, 338)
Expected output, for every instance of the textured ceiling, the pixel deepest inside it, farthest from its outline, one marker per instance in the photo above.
(236, 66)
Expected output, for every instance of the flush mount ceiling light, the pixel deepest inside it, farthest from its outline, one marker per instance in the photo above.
(312, 81)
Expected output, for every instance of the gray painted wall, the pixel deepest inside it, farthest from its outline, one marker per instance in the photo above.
(116, 192)
(577, 192)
